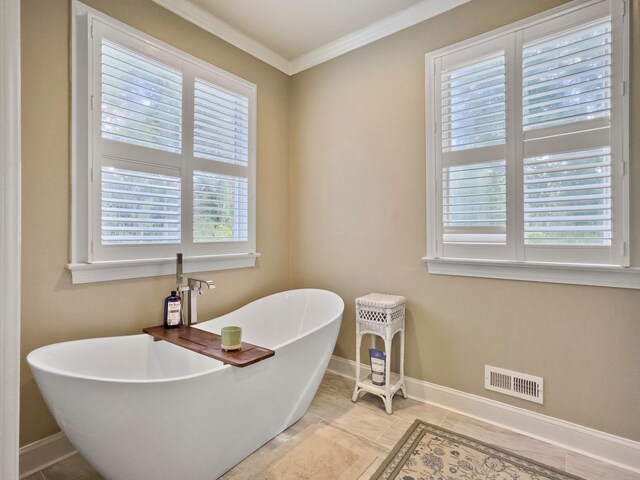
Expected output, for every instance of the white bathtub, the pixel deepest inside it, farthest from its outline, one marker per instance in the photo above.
(137, 409)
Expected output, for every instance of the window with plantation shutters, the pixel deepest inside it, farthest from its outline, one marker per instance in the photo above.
(168, 152)
(526, 144)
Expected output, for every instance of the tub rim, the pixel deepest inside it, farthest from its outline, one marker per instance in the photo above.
(35, 363)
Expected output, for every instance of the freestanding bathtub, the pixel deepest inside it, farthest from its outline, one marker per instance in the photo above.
(137, 409)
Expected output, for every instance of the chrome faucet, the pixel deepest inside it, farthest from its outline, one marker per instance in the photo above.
(190, 292)
(194, 289)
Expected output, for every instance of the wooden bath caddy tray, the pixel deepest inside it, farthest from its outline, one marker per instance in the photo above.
(208, 344)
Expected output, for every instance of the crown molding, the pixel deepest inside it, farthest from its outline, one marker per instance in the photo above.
(221, 29)
(394, 23)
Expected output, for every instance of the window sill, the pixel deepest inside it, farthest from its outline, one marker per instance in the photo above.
(597, 275)
(120, 270)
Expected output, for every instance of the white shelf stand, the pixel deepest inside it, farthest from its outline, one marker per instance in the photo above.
(381, 315)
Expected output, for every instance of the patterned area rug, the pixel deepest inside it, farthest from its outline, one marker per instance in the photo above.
(427, 452)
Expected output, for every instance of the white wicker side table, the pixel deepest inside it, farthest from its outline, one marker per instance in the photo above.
(381, 315)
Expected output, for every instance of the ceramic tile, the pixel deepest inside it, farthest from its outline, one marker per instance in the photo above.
(517, 443)
(363, 421)
(337, 384)
(72, 468)
(592, 469)
(406, 408)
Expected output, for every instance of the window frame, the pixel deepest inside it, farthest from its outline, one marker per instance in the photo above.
(514, 266)
(91, 264)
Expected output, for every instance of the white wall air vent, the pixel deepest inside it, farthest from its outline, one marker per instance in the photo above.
(512, 383)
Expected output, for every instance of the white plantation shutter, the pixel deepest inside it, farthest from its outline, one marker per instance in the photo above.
(222, 205)
(567, 199)
(221, 130)
(570, 192)
(474, 199)
(567, 79)
(139, 208)
(141, 99)
(473, 105)
(472, 114)
(221, 210)
(527, 146)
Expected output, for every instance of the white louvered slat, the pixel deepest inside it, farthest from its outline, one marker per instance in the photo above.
(567, 78)
(220, 208)
(221, 124)
(473, 105)
(139, 208)
(141, 101)
(474, 202)
(567, 198)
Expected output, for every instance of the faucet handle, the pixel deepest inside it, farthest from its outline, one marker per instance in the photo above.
(197, 283)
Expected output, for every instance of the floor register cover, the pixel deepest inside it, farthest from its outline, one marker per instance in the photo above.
(427, 452)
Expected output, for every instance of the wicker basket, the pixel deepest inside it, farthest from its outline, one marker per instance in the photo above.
(380, 314)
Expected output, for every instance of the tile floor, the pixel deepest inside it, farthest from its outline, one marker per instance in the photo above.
(374, 429)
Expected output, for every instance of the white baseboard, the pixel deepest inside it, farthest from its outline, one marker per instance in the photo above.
(602, 446)
(38, 455)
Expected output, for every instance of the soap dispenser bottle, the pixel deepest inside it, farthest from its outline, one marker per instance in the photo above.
(172, 310)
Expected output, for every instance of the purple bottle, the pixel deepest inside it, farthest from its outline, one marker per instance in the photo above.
(172, 310)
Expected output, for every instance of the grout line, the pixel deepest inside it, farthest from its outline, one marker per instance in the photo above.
(346, 429)
(385, 431)
(311, 414)
(453, 421)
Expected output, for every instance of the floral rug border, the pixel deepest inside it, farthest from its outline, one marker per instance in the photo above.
(396, 459)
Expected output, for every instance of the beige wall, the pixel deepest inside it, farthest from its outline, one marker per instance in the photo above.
(358, 226)
(52, 308)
